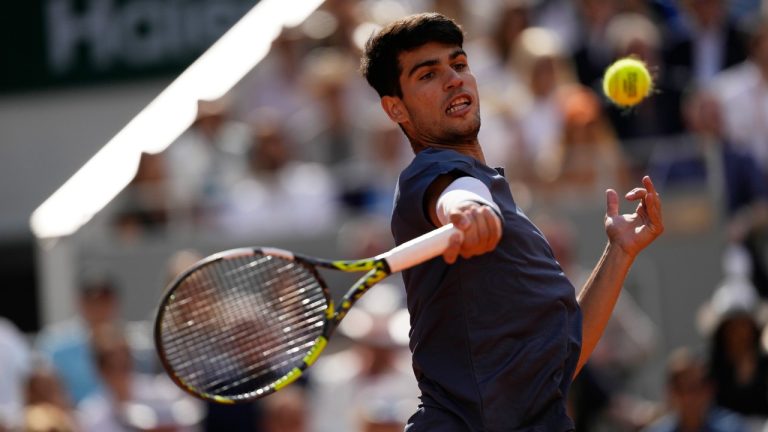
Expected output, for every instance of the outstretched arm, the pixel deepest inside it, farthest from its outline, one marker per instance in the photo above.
(628, 234)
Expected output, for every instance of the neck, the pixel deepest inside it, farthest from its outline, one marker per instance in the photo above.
(471, 148)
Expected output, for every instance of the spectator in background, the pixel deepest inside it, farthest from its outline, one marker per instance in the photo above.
(48, 418)
(66, 344)
(587, 158)
(545, 68)
(456, 9)
(340, 107)
(180, 261)
(600, 397)
(205, 161)
(144, 203)
(15, 357)
(711, 44)
(347, 16)
(44, 387)
(368, 181)
(634, 34)
(140, 333)
(131, 401)
(285, 411)
(345, 387)
(743, 92)
(365, 236)
(47, 405)
(381, 408)
(733, 320)
(280, 195)
(705, 158)
(594, 52)
(559, 16)
(371, 381)
(690, 398)
(513, 18)
(500, 82)
(276, 82)
(739, 365)
(241, 417)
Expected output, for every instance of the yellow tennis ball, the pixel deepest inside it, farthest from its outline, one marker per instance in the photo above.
(627, 82)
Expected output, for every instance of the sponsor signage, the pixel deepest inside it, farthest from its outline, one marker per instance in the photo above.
(60, 42)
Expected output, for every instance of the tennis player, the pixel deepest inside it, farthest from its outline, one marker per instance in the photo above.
(497, 333)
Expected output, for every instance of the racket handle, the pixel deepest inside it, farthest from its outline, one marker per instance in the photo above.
(420, 249)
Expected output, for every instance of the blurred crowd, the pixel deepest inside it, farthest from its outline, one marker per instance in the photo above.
(300, 147)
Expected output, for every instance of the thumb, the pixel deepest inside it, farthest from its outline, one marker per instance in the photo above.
(612, 203)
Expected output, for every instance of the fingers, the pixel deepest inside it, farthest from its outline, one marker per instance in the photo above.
(460, 220)
(473, 235)
(612, 203)
(642, 192)
(649, 184)
(494, 228)
(652, 204)
(636, 194)
(481, 227)
(649, 208)
(454, 247)
(479, 239)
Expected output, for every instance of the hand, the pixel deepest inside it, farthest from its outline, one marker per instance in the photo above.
(633, 232)
(481, 229)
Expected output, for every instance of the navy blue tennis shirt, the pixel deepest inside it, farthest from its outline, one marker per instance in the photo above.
(495, 338)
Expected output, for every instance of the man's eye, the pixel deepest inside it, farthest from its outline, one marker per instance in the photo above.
(460, 66)
(426, 76)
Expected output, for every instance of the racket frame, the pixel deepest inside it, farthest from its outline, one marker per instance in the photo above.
(376, 269)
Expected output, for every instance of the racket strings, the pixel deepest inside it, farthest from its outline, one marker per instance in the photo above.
(236, 338)
(236, 325)
(308, 318)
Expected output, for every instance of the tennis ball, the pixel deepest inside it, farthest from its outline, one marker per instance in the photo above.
(627, 82)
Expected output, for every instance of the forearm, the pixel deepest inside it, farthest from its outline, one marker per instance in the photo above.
(598, 297)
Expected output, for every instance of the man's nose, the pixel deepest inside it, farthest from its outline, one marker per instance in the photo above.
(453, 80)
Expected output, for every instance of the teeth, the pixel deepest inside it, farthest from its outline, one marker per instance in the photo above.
(458, 104)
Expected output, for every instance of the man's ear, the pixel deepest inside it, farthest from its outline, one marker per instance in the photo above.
(394, 108)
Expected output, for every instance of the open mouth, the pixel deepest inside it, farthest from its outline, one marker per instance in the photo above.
(458, 104)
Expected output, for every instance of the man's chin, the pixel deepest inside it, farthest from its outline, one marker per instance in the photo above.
(468, 133)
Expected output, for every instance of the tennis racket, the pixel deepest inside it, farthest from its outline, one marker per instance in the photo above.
(244, 323)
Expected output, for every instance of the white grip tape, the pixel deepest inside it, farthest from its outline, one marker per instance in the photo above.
(420, 249)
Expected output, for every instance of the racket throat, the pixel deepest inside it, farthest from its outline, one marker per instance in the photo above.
(362, 286)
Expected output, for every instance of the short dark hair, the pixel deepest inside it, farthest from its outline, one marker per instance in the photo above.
(379, 64)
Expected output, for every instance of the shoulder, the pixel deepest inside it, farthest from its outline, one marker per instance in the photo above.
(426, 167)
(721, 419)
(436, 162)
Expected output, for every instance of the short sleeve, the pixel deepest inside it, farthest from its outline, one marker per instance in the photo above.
(409, 219)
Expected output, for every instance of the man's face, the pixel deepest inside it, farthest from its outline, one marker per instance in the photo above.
(440, 103)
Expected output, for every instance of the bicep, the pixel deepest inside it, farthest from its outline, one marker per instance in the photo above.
(433, 192)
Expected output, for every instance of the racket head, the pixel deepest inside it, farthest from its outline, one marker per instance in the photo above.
(243, 323)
